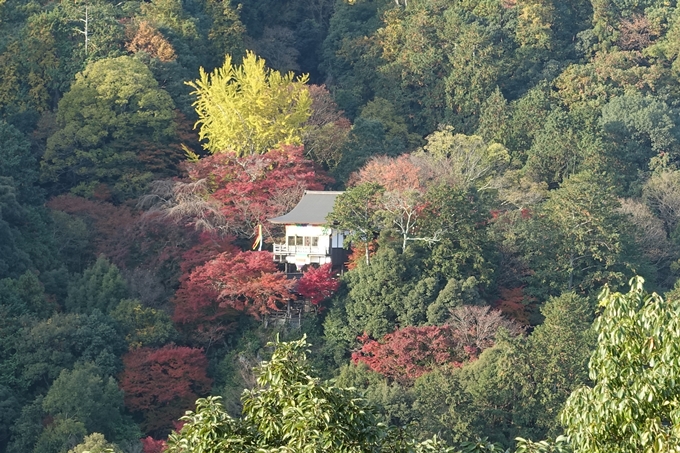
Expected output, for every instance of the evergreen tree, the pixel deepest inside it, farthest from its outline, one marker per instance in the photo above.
(114, 111)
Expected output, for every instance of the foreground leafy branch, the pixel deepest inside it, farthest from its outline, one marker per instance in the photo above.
(291, 411)
(634, 405)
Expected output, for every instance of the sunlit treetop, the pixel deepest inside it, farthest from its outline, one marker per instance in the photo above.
(250, 109)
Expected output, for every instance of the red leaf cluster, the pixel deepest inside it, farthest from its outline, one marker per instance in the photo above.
(209, 246)
(218, 281)
(196, 306)
(151, 445)
(108, 221)
(252, 189)
(512, 303)
(231, 283)
(408, 353)
(317, 284)
(163, 383)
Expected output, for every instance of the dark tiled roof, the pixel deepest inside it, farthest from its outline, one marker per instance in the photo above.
(312, 209)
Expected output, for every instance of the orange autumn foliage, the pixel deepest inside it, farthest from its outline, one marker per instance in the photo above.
(147, 39)
(514, 304)
(395, 174)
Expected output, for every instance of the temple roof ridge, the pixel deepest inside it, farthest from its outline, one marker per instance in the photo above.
(312, 208)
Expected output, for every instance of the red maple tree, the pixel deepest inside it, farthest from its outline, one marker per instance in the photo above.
(252, 189)
(151, 445)
(516, 305)
(196, 306)
(230, 284)
(209, 246)
(162, 383)
(408, 353)
(108, 221)
(317, 284)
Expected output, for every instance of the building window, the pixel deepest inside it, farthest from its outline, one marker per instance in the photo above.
(305, 241)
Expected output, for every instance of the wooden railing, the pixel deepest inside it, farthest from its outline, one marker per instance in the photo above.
(284, 249)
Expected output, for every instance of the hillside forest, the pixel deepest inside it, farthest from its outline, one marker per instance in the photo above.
(508, 166)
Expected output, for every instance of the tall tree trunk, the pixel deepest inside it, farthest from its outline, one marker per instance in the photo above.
(571, 271)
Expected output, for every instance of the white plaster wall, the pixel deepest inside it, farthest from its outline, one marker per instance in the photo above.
(305, 230)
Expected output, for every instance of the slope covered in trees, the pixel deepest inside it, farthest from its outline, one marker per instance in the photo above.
(503, 162)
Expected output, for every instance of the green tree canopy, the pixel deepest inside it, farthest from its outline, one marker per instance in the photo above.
(84, 395)
(25, 295)
(17, 161)
(577, 239)
(95, 443)
(355, 210)
(561, 148)
(101, 287)
(44, 349)
(463, 160)
(114, 112)
(552, 362)
(24, 238)
(143, 326)
(642, 126)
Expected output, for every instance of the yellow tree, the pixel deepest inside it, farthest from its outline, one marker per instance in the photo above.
(534, 23)
(249, 109)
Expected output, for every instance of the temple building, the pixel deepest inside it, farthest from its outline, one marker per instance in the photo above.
(309, 240)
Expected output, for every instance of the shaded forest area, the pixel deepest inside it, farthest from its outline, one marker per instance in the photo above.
(503, 161)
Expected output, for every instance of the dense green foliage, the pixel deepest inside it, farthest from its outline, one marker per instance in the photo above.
(503, 162)
(112, 113)
(633, 404)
